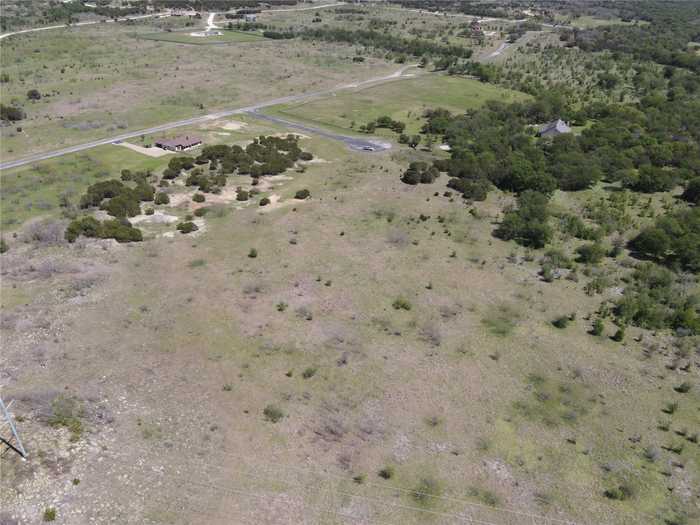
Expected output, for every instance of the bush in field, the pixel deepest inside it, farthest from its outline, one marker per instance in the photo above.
(117, 229)
(401, 304)
(302, 194)
(386, 472)
(241, 195)
(598, 327)
(591, 253)
(198, 197)
(420, 172)
(264, 201)
(527, 225)
(162, 198)
(306, 156)
(426, 491)
(273, 413)
(33, 94)
(11, 113)
(471, 189)
(673, 240)
(692, 191)
(187, 227)
(3, 246)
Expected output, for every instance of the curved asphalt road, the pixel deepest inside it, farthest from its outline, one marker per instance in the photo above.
(354, 143)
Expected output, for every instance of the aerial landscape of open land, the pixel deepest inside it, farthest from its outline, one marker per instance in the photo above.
(332, 262)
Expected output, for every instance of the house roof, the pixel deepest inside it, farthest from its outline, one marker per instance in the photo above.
(183, 142)
(556, 126)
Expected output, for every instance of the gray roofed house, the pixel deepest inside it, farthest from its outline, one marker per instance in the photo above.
(554, 128)
(178, 143)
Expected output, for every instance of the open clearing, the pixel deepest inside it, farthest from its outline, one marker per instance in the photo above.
(184, 37)
(405, 101)
(98, 81)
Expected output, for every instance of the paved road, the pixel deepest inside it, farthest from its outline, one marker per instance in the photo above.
(213, 116)
(79, 24)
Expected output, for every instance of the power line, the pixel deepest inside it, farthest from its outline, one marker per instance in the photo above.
(387, 486)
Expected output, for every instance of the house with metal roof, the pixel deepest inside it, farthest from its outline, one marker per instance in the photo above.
(179, 143)
(554, 128)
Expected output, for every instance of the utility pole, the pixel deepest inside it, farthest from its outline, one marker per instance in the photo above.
(11, 440)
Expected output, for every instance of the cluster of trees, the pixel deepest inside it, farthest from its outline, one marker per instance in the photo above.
(527, 224)
(648, 148)
(480, 9)
(119, 229)
(674, 240)
(383, 122)
(11, 113)
(663, 40)
(416, 47)
(420, 172)
(264, 156)
(62, 11)
(221, 5)
(117, 198)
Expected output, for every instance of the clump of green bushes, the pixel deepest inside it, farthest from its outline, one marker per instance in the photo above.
(118, 229)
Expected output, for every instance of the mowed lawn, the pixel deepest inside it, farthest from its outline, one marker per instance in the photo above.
(184, 37)
(405, 100)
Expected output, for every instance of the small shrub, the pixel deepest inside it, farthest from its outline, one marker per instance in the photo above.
(651, 453)
(619, 335)
(162, 198)
(198, 197)
(359, 479)
(3, 246)
(619, 493)
(201, 212)
(309, 372)
(426, 491)
(66, 412)
(401, 304)
(273, 413)
(242, 195)
(253, 253)
(281, 306)
(386, 473)
(264, 201)
(561, 322)
(670, 408)
(187, 227)
(197, 263)
(149, 211)
(598, 327)
(50, 514)
(591, 253)
(302, 194)
(683, 388)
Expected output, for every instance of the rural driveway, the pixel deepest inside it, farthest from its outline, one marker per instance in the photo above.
(353, 143)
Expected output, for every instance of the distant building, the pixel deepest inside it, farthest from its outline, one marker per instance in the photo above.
(554, 128)
(250, 17)
(475, 28)
(179, 143)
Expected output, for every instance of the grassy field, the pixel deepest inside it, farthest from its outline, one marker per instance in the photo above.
(465, 390)
(404, 100)
(184, 37)
(372, 354)
(97, 81)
